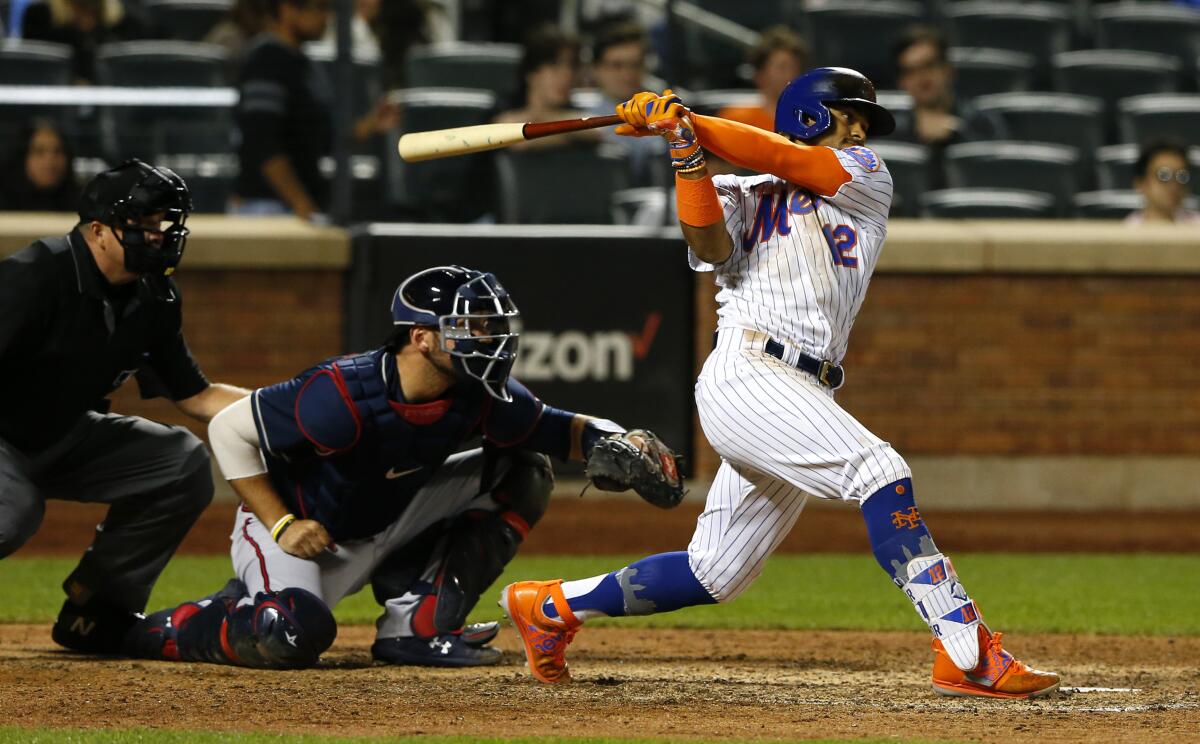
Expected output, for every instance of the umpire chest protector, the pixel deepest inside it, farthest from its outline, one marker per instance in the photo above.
(366, 455)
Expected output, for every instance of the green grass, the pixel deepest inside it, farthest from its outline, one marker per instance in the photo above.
(51, 736)
(1118, 594)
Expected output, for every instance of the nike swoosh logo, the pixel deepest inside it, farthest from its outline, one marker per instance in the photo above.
(392, 474)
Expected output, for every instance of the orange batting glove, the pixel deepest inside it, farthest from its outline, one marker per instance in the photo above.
(633, 113)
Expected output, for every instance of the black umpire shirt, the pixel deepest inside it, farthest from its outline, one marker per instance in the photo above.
(286, 108)
(68, 338)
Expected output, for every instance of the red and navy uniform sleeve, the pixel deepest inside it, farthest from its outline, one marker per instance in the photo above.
(309, 413)
(528, 423)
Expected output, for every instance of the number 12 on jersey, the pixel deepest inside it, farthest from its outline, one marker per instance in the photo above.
(842, 241)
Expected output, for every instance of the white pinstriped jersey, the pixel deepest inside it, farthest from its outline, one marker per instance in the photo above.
(801, 263)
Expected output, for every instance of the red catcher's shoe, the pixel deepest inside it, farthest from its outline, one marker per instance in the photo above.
(545, 638)
(999, 674)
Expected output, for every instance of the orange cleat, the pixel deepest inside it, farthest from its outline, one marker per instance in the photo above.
(999, 674)
(545, 638)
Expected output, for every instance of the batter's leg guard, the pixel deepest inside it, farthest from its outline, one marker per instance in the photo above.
(905, 549)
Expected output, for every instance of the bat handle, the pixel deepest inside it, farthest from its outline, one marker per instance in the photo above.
(534, 130)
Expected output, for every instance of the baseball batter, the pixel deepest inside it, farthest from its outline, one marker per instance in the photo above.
(792, 251)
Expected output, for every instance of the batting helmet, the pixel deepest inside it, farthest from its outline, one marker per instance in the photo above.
(477, 320)
(807, 97)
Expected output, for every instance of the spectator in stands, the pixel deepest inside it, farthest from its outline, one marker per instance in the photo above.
(245, 20)
(937, 120)
(83, 25)
(1162, 174)
(547, 74)
(285, 116)
(778, 58)
(364, 30)
(38, 175)
(619, 70)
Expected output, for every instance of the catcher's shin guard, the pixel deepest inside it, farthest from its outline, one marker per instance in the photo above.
(481, 544)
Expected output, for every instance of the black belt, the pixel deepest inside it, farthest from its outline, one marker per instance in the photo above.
(827, 373)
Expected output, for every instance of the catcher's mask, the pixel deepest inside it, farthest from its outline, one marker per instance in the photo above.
(121, 197)
(478, 323)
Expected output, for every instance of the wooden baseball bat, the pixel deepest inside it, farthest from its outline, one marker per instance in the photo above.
(443, 143)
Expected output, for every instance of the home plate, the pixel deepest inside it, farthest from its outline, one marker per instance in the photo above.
(1073, 690)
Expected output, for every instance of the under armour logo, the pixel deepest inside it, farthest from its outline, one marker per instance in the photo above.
(290, 638)
(908, 519)
(83, 626)
(442, 647)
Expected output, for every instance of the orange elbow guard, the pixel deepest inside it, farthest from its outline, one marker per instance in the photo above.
(696, 200)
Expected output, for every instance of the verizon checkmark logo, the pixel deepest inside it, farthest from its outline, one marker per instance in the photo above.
(392, 473)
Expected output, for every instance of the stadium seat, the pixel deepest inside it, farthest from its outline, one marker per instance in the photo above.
(1114, 165)
(909, 166)
(1113, 205)
(644, 207)
(899, 104)
(209, 177)
(1113, 74)
(1040, 29)
(979, 71)
(449, 189)
(157, 64)
(860, 34)
(34, 63)
(365, 76)
(1015, 165)
(715, 60)
(149, 132)
(711, 101)
(189, 20)
(543, 187)
(1059, 118)
(489, 66)
(1175, 115)
(987, 204)
(1164, 28)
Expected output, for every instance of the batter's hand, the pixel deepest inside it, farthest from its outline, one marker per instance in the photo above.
(645, 108)
(305, 538)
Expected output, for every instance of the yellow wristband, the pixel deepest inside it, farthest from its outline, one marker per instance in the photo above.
(282, 525)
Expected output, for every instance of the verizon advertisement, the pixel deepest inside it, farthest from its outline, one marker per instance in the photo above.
(607, 311)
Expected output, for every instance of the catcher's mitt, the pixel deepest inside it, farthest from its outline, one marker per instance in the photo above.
(639, 460)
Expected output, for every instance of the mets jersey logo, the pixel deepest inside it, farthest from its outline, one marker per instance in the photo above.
(864, 157)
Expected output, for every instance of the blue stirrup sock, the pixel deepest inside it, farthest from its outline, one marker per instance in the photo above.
(895, 528)
(659, 583)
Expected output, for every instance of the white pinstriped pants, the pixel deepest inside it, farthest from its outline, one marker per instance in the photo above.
(781, 437)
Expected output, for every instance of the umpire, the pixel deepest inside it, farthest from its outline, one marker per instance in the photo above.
(79, 315)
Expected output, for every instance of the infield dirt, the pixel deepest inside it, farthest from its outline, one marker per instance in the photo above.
(661, 683)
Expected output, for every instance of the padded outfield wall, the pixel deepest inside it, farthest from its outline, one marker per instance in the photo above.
(1015, 364)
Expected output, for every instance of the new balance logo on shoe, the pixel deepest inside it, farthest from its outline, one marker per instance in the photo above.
(83, 626)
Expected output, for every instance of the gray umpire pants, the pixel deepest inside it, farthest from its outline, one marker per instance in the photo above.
(156, 479)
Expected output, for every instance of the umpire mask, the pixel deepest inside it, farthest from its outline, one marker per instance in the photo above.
(123, 196)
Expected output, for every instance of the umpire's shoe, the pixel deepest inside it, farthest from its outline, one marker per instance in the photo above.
(449, 650)
(95, 628)
(545, 638)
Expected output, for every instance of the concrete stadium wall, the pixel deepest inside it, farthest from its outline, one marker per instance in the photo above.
(1015, 364)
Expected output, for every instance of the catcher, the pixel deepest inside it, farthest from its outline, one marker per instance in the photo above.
(351, 473)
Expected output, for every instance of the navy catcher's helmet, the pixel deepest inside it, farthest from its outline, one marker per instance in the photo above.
(807, 96)
(477, 320)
